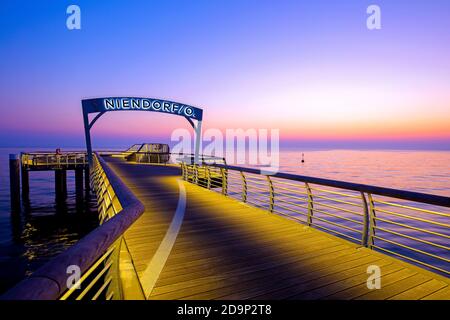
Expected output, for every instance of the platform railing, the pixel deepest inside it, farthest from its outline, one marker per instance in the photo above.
(99, 256)
(149, 157)
(52, 159)
(188, 158)
(411, 226)
(166, 158)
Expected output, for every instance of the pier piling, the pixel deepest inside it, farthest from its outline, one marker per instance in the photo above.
(79, 183)
(60, 184)
(14, 181)
(64, 173)
(25, 183)
(87, 185)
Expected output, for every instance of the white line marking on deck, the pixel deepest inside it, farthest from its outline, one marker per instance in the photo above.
(153, 270)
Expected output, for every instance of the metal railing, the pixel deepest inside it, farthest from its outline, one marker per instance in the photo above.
(164, 157)
(52, 159)
(107, 202)
(149, 157)
(157, 157)
(97, 255)
(411, 226)
(102, 278)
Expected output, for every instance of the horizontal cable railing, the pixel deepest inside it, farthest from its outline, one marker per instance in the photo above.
(96, 255)
(411, 226)
(149, 157)
(188, 158)
(164, 157)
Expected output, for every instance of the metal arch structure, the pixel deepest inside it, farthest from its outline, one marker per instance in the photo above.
(102, 105)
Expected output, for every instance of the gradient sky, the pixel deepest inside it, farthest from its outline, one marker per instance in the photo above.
(312, 70)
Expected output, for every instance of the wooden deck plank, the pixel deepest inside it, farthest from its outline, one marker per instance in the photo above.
(420, 291)
(388, 267)
(398, 287)
(265, 282)
(245, 287)
(237, 267)
(230, 250)
(204, 263)
(330, 274)
(442, 294)
(361, 289)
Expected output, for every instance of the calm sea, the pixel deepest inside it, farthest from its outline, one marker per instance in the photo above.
(421, 171)
(46, 228)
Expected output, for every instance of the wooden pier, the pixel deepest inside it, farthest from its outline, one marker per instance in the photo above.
(170, 232)
(229, 250)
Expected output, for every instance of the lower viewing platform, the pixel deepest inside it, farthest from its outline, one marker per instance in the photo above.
(193, 243)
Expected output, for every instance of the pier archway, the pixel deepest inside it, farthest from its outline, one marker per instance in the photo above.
(102, 105)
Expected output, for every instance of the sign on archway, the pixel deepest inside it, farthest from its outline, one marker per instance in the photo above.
(103, 105)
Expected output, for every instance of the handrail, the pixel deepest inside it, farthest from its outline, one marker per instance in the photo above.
(50, 281)
(382, 191)
(54, 160)
(166, 157)
(410, 225)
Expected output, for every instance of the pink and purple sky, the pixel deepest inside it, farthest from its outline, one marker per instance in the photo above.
(312, 70)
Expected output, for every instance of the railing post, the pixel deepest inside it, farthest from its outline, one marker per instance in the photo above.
(365, 231)
(190, 172)
(244, 187)
(187, 170)
(224, 181)
(196, 174)
(271, 194)
(310, 203)
(208, 177)
(115, 289)
(183, 171)
(372, 222)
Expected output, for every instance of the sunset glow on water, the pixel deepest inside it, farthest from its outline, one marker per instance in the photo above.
(421, 171)
(281, 149)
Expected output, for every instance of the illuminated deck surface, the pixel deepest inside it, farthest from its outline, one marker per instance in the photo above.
(228, 250)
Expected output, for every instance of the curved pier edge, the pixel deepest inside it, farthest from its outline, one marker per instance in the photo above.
(50, 281)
